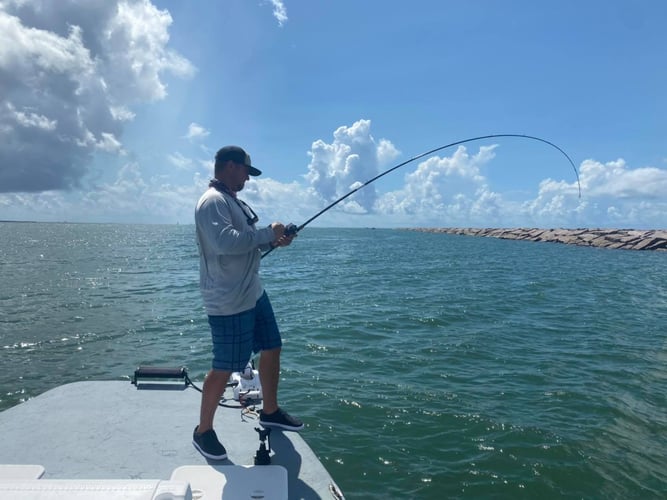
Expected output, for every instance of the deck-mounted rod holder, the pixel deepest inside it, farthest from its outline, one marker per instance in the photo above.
(156, 376)
(263, 456)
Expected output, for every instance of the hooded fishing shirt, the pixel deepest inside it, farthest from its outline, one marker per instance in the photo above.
(230, 250)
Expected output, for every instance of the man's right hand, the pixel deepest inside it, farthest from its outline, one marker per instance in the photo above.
(278, 230)
(283, 239)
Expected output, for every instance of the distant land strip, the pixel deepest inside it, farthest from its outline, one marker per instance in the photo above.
(626, 239)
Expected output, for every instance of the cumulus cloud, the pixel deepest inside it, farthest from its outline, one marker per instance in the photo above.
(619, 196)
(70, 72)
(452, 190)
(615, 180)
(352, 158)
(446, 190)
(130, 197)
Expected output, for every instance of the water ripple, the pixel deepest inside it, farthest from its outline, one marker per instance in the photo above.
(425, 365)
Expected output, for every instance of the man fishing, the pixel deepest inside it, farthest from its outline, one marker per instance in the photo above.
(239, 312)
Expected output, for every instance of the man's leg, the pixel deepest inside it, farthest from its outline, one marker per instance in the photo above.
(214, 385)
(269, 372)
(271, 415)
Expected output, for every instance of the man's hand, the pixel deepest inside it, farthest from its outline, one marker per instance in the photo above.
(278, 229)
(282, 239)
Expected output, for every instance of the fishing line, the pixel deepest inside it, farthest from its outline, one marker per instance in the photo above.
(292, 229)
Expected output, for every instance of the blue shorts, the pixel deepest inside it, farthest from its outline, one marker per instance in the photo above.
(237, 336)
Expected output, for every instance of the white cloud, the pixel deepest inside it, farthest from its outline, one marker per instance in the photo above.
(180, 162)
(29, 119)
(109, 143)
(130, 197)
(70, 72)
(452, 191)
(447, 186)
(619, 196)
(614, 179)
(196, 132)
(352, 157)
(136, 54)
(386, 152)
(121, 113)
(438, 191)
(279, 11)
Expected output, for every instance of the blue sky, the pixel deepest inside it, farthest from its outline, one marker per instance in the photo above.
(111, 111)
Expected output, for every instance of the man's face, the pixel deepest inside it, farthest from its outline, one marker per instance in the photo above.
(240, 174)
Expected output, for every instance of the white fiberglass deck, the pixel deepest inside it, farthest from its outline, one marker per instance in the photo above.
(112, 430)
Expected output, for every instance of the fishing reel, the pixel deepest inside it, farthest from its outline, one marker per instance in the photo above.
(291, 229)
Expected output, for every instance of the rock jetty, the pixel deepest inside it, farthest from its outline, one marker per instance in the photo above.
(626, 239)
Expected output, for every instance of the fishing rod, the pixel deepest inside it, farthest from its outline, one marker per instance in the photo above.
(292, 229)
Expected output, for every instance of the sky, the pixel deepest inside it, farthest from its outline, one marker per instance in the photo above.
(112, 110)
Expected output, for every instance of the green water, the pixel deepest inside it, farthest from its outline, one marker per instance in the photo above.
(424, 365)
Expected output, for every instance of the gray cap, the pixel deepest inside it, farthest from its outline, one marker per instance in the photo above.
(237, 155)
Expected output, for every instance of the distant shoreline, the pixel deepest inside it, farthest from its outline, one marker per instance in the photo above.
(625, 239)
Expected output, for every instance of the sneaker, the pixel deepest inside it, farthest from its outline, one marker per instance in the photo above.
(281, 419)
(208, 445)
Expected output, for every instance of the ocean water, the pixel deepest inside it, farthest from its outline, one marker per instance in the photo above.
(424, 365)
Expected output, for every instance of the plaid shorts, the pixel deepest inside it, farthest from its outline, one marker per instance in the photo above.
(237, 336)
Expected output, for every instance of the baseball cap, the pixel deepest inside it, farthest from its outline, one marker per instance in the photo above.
(237, 155)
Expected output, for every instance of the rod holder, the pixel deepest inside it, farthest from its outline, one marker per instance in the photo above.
(263, 456)
(159, 376)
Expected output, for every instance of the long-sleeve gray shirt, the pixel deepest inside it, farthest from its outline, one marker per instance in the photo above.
(230, 250)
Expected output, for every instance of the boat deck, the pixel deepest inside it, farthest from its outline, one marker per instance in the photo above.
(112, 430)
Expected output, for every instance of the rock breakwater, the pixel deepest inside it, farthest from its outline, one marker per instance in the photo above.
(626, 239)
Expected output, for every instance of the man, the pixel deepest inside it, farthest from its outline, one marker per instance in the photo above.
(239, 312)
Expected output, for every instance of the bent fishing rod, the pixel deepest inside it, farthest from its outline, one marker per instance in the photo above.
(292, 229)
